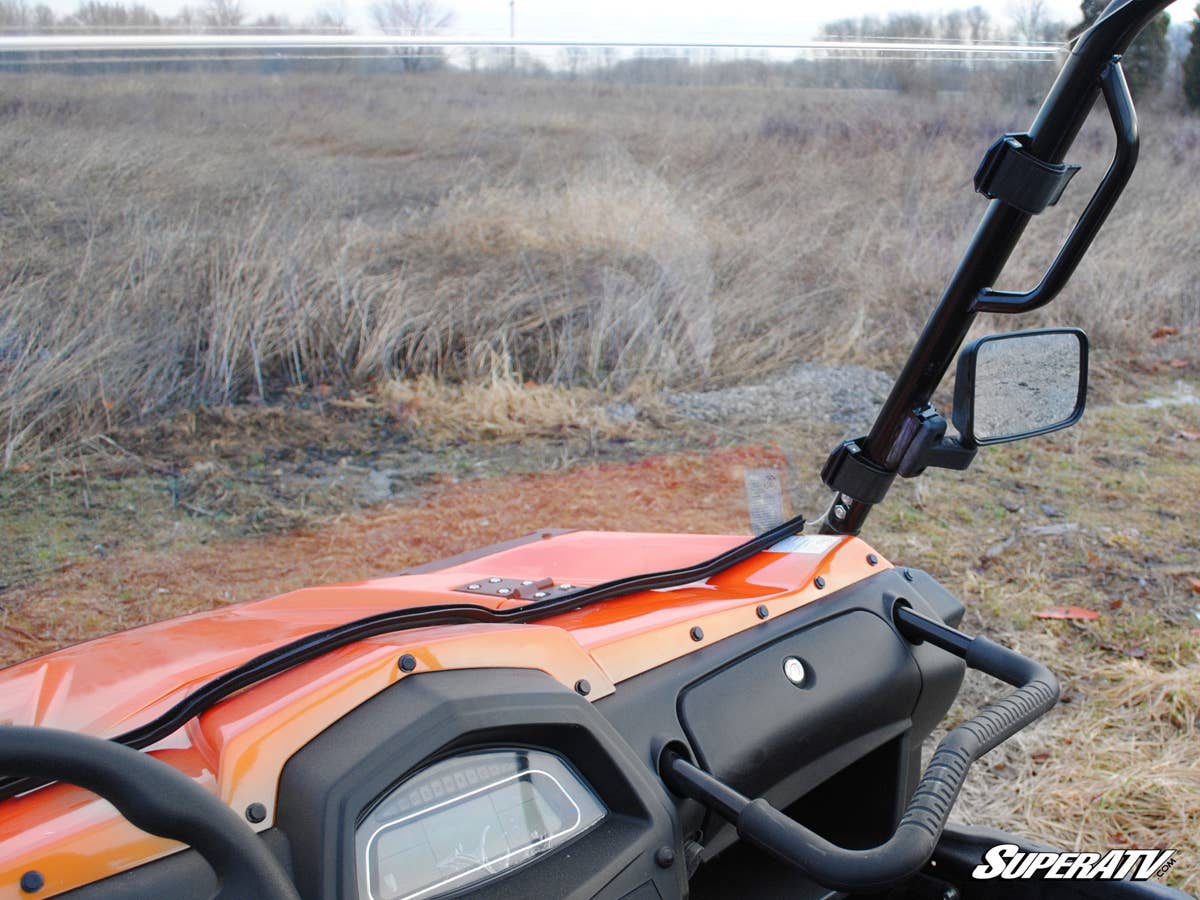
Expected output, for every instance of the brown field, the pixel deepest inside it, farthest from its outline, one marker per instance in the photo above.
(227, 304)
(176, 239)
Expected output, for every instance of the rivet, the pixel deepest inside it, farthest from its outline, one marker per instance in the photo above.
(793, 669)
(32, 881)
(697, 633)
(583, 687)
(503, 592)
(256, 813)
(908, 575)
(540, 594)
(565, 587)
(472, 587)
(819, 582)
(872, 559)
(407, 662)
(762, 611)
(494, 580)
(664, 857)
(526, 582)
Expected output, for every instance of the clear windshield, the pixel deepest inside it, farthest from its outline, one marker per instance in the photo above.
(267, 293)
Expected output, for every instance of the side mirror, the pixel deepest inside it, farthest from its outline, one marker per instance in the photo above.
(1018, 385)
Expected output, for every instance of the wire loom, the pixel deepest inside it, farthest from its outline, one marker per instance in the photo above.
(292, 654)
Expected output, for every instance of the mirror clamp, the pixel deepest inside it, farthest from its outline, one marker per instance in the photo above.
(931, 447)
(1009, 172)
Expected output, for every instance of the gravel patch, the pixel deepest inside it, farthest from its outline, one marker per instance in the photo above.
(847, 395)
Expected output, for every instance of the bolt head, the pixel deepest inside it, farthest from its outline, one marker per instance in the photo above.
(407, 662)
(794, 671)
(472, 587)
(583, 687)
(32, 881)
(762, 612)
(839, 511)
(819, 582)
(540, 594)
(697, 633)
(503, 592)
(565, 587)
(664, 857)
(872, 559)
(526, 582)
(494, 580)
(256, 813)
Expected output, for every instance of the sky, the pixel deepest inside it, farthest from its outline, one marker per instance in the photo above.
(650, 20)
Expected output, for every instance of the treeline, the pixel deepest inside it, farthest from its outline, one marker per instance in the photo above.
(20, 17)
(1163, 60)
(1159, 60)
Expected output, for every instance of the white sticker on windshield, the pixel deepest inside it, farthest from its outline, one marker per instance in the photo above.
(807, 543)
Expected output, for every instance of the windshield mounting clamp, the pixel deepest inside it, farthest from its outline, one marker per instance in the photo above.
(1009, 172)
(848, 471)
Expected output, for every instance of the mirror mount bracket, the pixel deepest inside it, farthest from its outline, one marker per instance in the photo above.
(852, 474)
(930, 447)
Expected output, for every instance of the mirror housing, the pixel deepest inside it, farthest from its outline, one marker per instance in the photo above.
(1019, 385)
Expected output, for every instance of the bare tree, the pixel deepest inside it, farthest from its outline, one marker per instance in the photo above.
(414, 17)
(979, 24)
(411, 16)
(1032, 23)
(93, 15)
(330, 17)
(273, 22)
(223, 13)
(1027, 17)
(14, 14)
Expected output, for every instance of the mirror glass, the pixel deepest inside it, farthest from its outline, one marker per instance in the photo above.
(1026, 383)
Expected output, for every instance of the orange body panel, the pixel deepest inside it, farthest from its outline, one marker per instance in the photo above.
(238, 748)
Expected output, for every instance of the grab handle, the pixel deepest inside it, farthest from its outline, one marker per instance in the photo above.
(912, 845)
(1124, 118)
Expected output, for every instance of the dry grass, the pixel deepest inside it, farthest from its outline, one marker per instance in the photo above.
(1118, 767)
(172, 239)
(500, 408)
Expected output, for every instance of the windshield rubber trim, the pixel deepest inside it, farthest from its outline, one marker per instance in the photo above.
(302, 650)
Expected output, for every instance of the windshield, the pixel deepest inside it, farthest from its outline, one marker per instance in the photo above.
(286, 302)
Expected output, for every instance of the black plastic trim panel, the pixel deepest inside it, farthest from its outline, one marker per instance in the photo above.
(326, 786)
(181, 876)
(653, 710)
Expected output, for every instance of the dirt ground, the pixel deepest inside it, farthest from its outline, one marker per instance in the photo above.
(135, 586)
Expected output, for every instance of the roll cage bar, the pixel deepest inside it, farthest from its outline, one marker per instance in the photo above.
(908, 434)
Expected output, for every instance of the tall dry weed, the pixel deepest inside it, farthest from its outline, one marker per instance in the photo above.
(173, 239)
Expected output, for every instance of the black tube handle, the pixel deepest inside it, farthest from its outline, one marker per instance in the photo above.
(1124, 118)
(911, 846)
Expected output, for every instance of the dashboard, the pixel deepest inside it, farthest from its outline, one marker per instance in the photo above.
(506, 784)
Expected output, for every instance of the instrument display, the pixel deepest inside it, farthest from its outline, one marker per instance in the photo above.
(470, 818)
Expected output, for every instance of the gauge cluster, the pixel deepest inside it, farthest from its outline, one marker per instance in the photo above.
(498, 783)
(465, 820)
